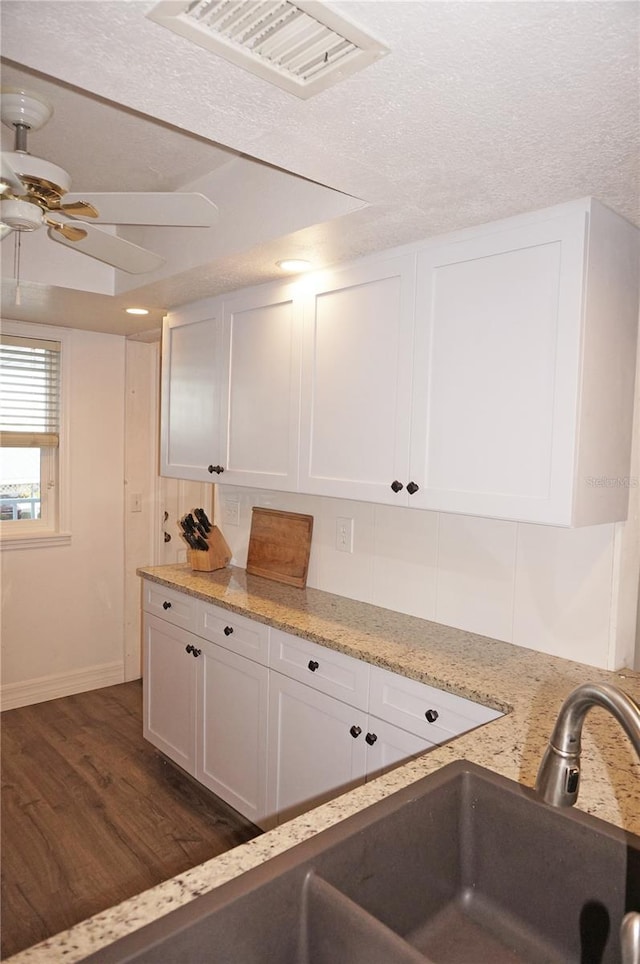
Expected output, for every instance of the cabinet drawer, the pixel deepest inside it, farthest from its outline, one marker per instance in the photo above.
(176, 607)
(341, 676)
(236, 633)
(428, 712)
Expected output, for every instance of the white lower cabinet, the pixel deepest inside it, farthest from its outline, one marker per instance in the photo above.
(288, 726)
(231, 735)
(320, 747)
(387, 745)
(205, 706)
(169, 691)
(316, 747)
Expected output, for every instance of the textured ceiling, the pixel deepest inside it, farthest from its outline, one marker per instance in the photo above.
(481, 110)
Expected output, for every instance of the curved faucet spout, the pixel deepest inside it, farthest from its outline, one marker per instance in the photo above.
(558, 780)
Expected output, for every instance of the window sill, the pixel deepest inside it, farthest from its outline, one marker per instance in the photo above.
(42, 540)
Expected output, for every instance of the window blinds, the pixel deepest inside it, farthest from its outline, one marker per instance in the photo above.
(29, 392)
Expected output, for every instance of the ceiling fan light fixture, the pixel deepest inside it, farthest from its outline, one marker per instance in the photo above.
(19, 106)
(20, 215)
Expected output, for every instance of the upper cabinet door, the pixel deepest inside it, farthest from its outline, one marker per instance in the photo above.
(502, 393)
(260, 409)
(356, 381)
(190, 443)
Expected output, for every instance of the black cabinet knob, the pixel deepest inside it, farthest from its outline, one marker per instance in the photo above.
(396, 486)
(355, 731)
(431, 715)
(313, 665)
(412, 487)
(371, 738)
(166, 605)
(188, 648)
(195, 652)
(167, 537)
(227, 630)
(215, 468)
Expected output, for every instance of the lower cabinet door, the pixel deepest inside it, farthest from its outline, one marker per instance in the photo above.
(169, 690)
(316, 747)
(232, 729)
(388, 745)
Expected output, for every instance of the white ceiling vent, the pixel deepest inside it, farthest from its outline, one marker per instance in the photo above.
(302, 47)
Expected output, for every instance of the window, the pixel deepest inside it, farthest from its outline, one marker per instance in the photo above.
(30, 403)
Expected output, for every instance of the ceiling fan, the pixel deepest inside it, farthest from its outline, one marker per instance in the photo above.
(35, 193)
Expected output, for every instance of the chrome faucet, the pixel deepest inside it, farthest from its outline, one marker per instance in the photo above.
(558, 779)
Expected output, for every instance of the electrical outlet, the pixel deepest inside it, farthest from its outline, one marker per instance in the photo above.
(344, 534)
(230, 512)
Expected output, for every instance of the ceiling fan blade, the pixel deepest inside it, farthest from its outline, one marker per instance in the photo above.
(156, 208)
(9, 177)
(78, 209)
(106, 247)
(68, 231)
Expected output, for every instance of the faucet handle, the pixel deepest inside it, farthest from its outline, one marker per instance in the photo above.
(630, 938)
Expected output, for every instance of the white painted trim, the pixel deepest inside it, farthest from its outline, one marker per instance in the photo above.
(41, 540)
(57, 685)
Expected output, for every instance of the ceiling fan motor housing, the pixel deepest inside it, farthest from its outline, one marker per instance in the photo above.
(20, 215)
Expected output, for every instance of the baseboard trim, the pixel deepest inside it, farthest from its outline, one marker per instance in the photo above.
(13, 695)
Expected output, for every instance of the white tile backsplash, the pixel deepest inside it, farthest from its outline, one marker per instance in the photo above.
(563, 591)
(476, 571)
(405, 560)
(539, 587)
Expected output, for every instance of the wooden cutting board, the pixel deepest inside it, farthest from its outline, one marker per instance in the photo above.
(279, 545)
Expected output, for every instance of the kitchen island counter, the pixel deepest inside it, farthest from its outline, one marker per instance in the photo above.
(527, 686)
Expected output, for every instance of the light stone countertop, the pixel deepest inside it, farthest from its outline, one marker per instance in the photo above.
(528, 686)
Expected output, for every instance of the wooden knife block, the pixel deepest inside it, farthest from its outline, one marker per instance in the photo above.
(217, 556)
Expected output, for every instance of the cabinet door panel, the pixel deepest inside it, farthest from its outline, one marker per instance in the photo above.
(169, 691)
(232, 731)
(392, 745)
(496, 371)
(312, 754)
(357, 382)
(262, 348)
(191, 394)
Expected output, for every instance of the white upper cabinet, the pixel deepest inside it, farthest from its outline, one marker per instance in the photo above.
(191, 436)
(356, 380)
(523, 368)
(260, 409)
(489, 373)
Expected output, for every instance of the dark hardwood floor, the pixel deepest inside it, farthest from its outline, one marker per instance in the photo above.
(92, 814)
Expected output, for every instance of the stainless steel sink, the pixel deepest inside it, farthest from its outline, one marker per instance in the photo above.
(462, 867)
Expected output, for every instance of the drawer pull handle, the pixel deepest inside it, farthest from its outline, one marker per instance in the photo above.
(195, 652)
(371, 738)
(215, 468)
(355, 731)
(227, 630)
(397, 486)
(188, 648)
(412, 487)
(166, 605)
(432, 716)
(313, 665)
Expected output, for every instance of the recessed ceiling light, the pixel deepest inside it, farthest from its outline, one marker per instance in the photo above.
(137, 311)
(294, 264)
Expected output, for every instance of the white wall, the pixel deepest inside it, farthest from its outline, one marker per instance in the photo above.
(540, 587)
(62, 606)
